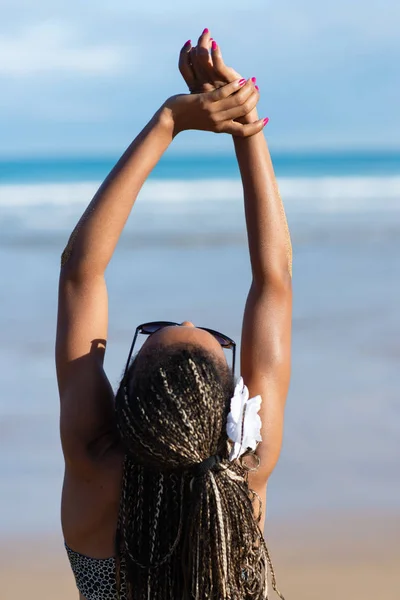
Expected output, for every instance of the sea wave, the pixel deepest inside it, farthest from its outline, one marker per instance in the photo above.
(323, 194)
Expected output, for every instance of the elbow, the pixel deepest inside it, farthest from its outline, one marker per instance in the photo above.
(78, 271)
(70, 268)
(79, 266)
(274, 268)
(278, 278)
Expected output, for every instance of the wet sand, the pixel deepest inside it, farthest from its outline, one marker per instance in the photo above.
(334, 557)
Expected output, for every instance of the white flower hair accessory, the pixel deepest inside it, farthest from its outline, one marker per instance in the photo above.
(244, 423)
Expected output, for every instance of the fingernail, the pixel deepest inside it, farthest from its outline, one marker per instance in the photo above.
(266, 121)
(188, 43)
(257, 88)
(214, 45)
(253, 79)
(242, 82)
(205, 31)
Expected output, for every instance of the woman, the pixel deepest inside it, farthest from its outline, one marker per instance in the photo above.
(165, 483)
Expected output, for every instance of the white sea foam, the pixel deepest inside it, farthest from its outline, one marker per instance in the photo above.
(323, 194)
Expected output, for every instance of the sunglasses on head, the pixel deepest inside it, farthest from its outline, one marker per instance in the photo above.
(150, 328)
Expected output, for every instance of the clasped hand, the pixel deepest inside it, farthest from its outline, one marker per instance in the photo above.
(220, 100)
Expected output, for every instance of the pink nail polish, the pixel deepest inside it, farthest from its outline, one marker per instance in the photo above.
(188, 43)
(205, 31)
(253, 79)
(242, 82)
(214, 45)
(266, 121)
(257, 88)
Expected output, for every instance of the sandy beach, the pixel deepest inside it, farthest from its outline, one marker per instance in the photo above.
(327, 558)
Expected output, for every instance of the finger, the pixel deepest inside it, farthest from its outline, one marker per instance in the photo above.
(184, 65)
(204, 43)
(221, 71)
(239, 130)
(226, 90)
(194, 63)
(247, 89)
(242, 109)
(203, 59)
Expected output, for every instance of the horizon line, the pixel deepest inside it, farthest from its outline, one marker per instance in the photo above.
(277, 152)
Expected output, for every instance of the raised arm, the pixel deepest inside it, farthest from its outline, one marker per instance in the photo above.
(87, 413)
(87, 421)
(266, 332)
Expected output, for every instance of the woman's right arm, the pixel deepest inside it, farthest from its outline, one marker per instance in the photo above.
(266, 332)
(267, 321)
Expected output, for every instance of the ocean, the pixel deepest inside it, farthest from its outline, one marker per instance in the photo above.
(183, 256)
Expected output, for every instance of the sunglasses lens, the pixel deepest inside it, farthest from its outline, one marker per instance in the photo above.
(153, 327)
(222, 340)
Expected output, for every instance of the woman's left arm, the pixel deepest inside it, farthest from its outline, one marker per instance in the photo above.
(87, 412)
(87, 421)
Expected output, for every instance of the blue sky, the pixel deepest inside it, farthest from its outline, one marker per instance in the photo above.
(84, 77)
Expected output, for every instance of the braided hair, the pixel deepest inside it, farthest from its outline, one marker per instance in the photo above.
(184, 534)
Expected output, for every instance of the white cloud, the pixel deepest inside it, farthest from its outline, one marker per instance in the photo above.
(54, 47)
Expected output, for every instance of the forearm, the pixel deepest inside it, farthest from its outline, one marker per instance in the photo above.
(96, 235)
(267, 229)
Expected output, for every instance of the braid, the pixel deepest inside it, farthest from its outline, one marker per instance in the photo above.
(181, 537)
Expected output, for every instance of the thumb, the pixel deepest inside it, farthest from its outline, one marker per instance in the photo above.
(247, 130)
(221, 70)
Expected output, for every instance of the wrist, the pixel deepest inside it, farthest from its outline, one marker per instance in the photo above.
(165, 119)
(172, 115)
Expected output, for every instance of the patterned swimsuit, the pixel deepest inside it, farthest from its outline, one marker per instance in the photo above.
(95, 577)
